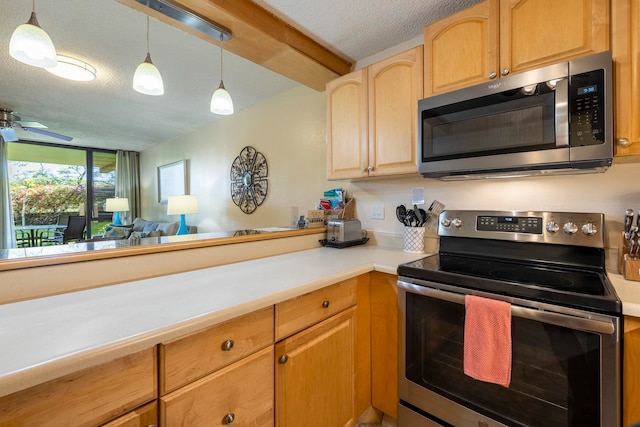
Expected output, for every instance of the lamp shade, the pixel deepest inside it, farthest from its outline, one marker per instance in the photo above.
(147, 78)
(179, 205)
(31, 45)
(221, 102)
(117, 205)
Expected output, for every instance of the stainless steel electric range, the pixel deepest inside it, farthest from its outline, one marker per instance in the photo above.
(565, 323)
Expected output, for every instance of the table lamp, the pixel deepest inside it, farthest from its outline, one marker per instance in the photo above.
(182, 205)
(117, 205)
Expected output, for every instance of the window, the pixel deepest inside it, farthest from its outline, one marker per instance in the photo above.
(50, 182)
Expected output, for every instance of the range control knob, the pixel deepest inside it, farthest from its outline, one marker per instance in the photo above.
(552, 227)
(589, 229)
(457, 222)
(446, 222)
(570, 228)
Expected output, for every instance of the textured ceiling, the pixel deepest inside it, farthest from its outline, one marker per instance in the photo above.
(108, 113)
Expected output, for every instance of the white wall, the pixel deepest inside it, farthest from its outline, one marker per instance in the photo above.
(287, 129)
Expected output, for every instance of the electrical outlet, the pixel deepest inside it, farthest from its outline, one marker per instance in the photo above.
(377, 211)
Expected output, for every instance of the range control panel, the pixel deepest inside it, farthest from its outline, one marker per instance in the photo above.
(568, 228)
(510, 223)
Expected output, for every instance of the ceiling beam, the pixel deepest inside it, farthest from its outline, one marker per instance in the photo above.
(263, 38)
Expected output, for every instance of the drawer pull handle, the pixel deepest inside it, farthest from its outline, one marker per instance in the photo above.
(325, 304)
(228, 419)
(283, 359)
(227, 345)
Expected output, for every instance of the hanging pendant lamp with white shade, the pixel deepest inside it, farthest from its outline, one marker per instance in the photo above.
(221, 102)
(147, 78)
(31, 45)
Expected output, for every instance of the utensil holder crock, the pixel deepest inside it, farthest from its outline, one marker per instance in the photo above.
(413, 238)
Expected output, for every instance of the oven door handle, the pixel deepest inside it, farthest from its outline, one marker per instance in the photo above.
(589, 325)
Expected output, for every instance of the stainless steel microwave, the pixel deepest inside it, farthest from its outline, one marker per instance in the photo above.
(552, 120)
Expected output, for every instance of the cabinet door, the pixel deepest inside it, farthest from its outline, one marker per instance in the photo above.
(240, 394)
(315, 375)
(534, 33)
(625, 46)
(462, 49)
(347, 126)
(394, 86)
(384, 342)
(631, 372)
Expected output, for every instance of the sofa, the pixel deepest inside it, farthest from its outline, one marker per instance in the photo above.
(141, 228)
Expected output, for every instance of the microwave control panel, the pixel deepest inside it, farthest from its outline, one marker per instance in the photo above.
(586, 97)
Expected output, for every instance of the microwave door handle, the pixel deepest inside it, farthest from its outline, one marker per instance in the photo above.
(588, 325)
(562, 112)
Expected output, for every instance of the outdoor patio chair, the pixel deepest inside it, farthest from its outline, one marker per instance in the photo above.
(75, 229)
(56, 236)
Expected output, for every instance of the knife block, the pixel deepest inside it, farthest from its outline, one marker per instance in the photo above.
(631, 268)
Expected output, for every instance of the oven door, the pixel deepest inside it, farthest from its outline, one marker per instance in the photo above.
(565, 363)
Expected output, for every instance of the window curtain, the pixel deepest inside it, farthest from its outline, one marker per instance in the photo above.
(7, 229)
(128, 183)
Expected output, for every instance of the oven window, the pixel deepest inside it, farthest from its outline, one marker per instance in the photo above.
(555, 373)
(508, 122)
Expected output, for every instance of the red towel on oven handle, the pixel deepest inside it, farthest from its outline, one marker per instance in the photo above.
(487, 340)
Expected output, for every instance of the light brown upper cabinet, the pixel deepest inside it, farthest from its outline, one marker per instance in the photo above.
(497, 38)
(372, 118)
(625, 46)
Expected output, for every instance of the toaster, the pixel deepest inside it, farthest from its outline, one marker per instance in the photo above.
(344, 230)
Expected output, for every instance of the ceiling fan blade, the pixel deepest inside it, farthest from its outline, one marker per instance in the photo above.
(48, 133)
(31, 124)
(8, 134)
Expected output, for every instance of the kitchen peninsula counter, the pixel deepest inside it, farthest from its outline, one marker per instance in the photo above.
(46, 338)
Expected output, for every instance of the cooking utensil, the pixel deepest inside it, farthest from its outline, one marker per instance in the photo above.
(401, 214)
(412, 219)
(434, 212)
(628, 222)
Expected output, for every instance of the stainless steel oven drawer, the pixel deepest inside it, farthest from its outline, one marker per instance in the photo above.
(408, 418)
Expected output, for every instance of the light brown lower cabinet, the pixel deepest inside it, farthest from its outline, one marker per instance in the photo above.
(240, 395)
(384, 342)
(90, 397)
(316, 375)
(631, 372)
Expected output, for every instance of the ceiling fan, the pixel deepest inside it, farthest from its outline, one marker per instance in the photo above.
(8, 121)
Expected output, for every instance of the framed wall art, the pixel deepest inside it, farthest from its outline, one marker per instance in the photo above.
(172, 180)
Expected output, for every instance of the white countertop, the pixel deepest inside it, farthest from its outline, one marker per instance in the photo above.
(49, 337)
(46, 338)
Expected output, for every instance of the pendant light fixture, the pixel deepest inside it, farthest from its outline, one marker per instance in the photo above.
(221, 102)
(147, 78)
(31, 45)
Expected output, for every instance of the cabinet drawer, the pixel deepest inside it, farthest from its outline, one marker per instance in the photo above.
(145, 416)
(241, 393)
(301, 312)
(194, 356)
(86, 398)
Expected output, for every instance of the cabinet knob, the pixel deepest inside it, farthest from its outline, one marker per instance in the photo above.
(370, 168)
(505, 71)
(228, 419)
(493, 75)
(325, 304)
(227, 345)
(283, 359)
(623, 142)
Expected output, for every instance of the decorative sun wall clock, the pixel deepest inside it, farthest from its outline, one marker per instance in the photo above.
(249, 185)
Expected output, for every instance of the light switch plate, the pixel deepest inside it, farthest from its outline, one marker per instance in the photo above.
(377, 211)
